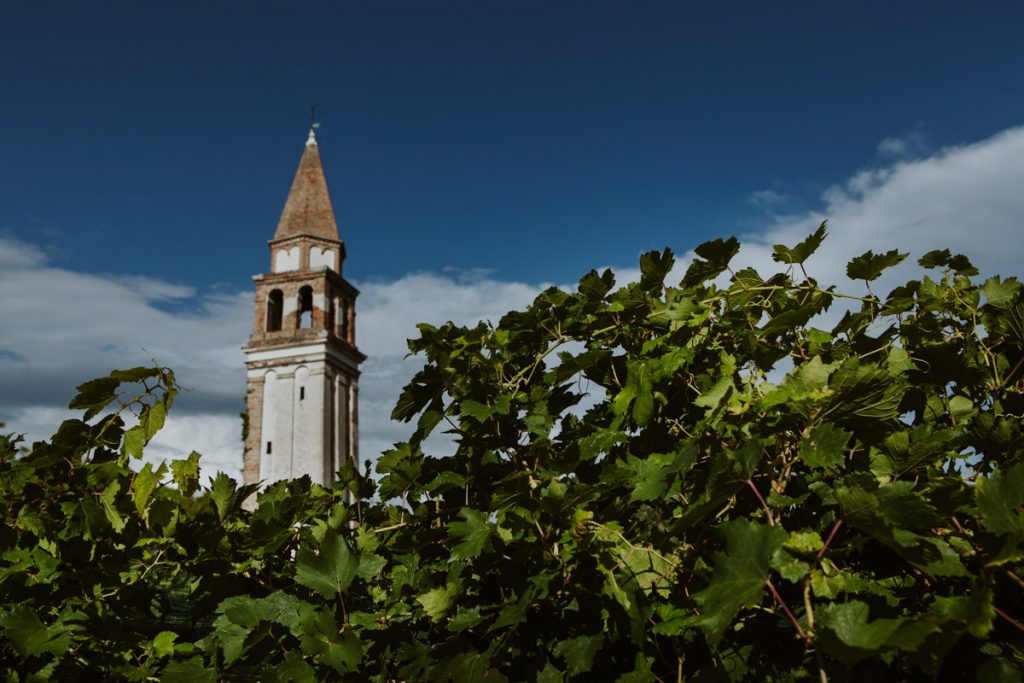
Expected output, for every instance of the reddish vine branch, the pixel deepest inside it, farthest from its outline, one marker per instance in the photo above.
(764, 503)
(1008, 618)
(785, 608)
(828, 541)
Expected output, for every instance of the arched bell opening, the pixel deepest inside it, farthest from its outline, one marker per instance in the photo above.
(275, 307)
(305, 308)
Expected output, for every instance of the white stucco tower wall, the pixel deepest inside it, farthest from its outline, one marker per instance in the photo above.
(302, 361)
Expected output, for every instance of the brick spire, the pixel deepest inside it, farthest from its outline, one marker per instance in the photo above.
(308, 209)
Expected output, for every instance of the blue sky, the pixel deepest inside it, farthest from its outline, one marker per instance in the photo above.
(146, 150)
(537, 139)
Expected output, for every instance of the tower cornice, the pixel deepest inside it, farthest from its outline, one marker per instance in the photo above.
(298, 276)
(263, 355)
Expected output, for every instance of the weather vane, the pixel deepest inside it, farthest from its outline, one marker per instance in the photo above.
(313, 123)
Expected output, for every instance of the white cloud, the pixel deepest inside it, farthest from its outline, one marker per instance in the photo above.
(151, 289)
(62, 327)
(966, 198)
(388, 310)
(75, 326)
(67, 327)
(217, 437)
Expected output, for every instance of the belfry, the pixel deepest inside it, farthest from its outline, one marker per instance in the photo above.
(302, 362)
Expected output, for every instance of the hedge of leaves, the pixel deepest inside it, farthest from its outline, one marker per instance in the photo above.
(629, 496)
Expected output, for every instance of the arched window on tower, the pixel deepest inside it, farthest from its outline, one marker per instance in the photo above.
(330, 312)
(305, 311)
(275, 306)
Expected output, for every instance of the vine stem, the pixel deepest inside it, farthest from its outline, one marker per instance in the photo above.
(828, 541)
(764, 504)
(809, 610)
(785, 608)
(1009, 376)
(344, 609)
(1008, 618)
(771, 289)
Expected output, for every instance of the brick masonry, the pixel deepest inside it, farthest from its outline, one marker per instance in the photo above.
(311, 364)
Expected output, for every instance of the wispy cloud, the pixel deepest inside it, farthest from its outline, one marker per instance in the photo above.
(18, 255)
(914, 143)
(767, 200)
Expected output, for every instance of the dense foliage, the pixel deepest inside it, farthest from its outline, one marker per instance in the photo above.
(650, 483)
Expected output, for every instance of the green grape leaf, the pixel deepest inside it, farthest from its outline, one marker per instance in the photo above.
(936, 258)
(31, 636)
(321, 638)
(654, 266)
(869, 265)
(1000, 293)
(108, 500)
(464, 619)
(222, 492)
(801, 252)
(292, 669)
(95, 395)
(330, 568)
(133, 441)
(469, 667)
(152, 419)
(975, 610)
(824, 446)
(189, 671)
(849, 621)
(579, 653)
(145, 482)
(714, 259)
(437, 601)
(999, 498)
(163, 643)
(476, 410)
(471, 536)
(739, 573)
(185, 474)
(594, 286)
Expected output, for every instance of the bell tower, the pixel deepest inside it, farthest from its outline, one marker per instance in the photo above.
(301, 360)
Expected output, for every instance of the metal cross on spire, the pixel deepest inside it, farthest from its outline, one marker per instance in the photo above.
(313, 123)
